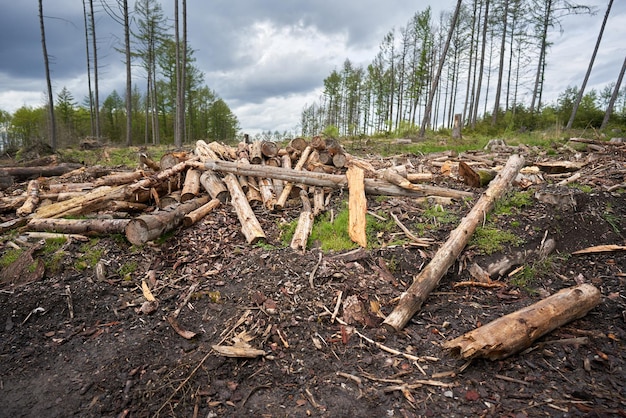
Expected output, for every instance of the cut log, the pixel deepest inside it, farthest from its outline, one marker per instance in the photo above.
(372, 186)
(253, 195)
(25, 173)
(269, 149)
(148, 162)
(214, 185)
(475, 178)
(268, 195)
(340, 160)
(191, 186)
(197, 214)
(516, 331)
(419, 177)
(319, 205)
(357, 206)
(456, 127)
(250, 225)
(32, 199)
(305, 224)
(204, 151)
(282, 199)
(171, 199)
(413, 298)
(149, 227)
(89, 227)
(224, 152)
(318, 143)
(115, 179)
(256, 155)
(298, 144)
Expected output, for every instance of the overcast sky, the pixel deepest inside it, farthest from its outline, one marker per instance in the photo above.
(266, 59)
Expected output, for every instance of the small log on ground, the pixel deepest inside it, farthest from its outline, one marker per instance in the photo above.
(475, 178)
(32, 199)
(516, 331)
(214, 185)
(24, 173)
(149, 227)
(115, 179)
(250, 225)
(357, 206)
(413, 298)
(195, 215)
(87, 227)
(191, 186)
(305, 224)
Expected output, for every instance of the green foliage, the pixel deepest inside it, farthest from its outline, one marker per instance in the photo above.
(10, 256)
(488, 239)
(585, 188)
(332, 236)
(512, 202)
(53, 253)
(612, 219)
(331, 131)
(127, 269)
(89, 255)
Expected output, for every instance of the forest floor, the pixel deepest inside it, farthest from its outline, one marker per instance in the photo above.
(77, 344)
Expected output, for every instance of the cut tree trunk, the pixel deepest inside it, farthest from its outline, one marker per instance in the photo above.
(149, 227)
(475, 178)
(87, 227)
(24, 173)
(516, 331)
(250, 225)
(214, 185)
(256, 155)
(305, 224)
(269, 149)
(413, 298)
(282, 199)
(32, 199)
(191, 186)
(357, 206)
(197, 214)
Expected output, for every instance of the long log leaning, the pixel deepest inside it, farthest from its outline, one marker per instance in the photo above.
(149, 227)
(412, 299)
(516, 331)
(372, 186)
(250, 225)
(78, 226)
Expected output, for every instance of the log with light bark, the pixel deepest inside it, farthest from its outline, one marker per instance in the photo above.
(224, 152)
(256, 156)
(318, 143)
(357, 206)
(115, 179)
(69, 187)
(89, 227)
(24, 173)
(214, 185)
(151, 226)
(419, 177)
(32, 199)
(516, 331)
(305, 224)
(372, 186)
(253, 194)
(204, 151)
(197, 214)
(319, 205)
(298, 144)
(269, 149)
(250, 225)
(282, 199)
(413, 298)
(148, 162)
(11, 203)
(266, 188)
(191, 186)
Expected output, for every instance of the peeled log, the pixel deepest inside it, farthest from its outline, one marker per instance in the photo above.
(357, 206)
(305, 224)
(413, 298)
(516, 331)
(79, 226)
(191, 186)
(250, 225)
(32, 199)
(195, 215)
(149, 227)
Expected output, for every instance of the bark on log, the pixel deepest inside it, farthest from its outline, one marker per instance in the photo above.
(282, 199)
(318, 143)
(372, 186)
(197, 214)
(204, 151)
(299, 144)
(191, 186)
(250, 225)
(253, 195)
(318, 201)
(11, 203)
(419, 177)
(24, 173)
(267, 193)
(149, 227)
(269, 149)
(214, 185)
(413, 298)
(148, 162)
(89, 227)
(256, 156)
(305, 224)
(516, 331)
(224, 152)
(32, 199)
(475, 178)
(357, 206)
(116, 179)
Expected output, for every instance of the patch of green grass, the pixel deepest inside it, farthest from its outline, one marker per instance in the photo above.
(512, 202)
(10, 256)
(582, 187)
(525, 279)
(433, 217)
(265, 245)
(89, 255)
(127, 269)
(489, 239)
(53, 255)
(609, 216)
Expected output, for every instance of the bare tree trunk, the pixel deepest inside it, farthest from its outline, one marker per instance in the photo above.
(482, 65)
(431, 96)
(609, 108)
(496, 107)
(588, 73)
(91, 114)
(178, 126)
(95, 71)
(535, 103)
(53, 130)
(129, 115)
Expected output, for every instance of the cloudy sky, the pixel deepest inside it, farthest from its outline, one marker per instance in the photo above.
(266, 59)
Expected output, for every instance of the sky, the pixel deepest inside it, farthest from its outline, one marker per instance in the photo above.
(266, 59)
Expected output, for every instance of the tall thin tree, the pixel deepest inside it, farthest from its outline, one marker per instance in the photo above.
(609, 108)
(90, 90)
(129, 92)
(589, 68)
(496, 107)
(95, 70)
(53, 130)
(435, 83)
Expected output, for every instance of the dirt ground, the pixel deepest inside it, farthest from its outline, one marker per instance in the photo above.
(73, 344)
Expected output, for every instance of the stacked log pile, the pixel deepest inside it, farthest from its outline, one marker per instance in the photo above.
(183, 187)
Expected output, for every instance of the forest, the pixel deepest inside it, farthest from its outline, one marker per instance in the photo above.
(485, 62)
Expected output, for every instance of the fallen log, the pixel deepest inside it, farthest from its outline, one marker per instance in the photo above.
(372, 186)
(149, 227)
(197, 214)
(214, 185)
(413, 298)
(357, 206)
(24, 173)
(87, 227)
(32, 199)
(250, 225)
(475, 178)
(282, 199)
(305, 224)
(516, 331)
(191, 186)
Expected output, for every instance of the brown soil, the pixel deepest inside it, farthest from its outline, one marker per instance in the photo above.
(73, 345)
